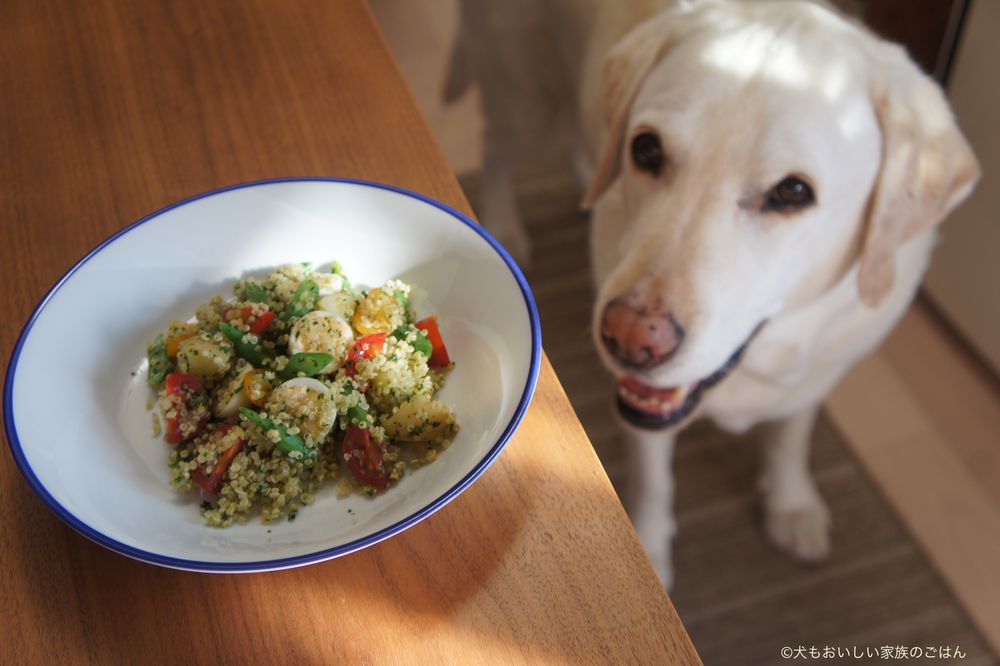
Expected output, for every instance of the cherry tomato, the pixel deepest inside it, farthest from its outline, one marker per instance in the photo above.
(259, 324)
(256, 387)
(262, 322)
(439, 355)
(187, 399)
(368, 347)
(229, 314)
(364, 458)
(211, 483)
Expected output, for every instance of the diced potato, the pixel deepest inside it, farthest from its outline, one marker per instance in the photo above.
(421, 419)
(205, 355)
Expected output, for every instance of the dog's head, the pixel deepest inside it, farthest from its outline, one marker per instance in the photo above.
(759, 152)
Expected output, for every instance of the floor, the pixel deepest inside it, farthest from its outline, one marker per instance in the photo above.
(905, 454)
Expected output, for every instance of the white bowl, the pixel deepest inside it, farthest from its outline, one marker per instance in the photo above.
(75, 392)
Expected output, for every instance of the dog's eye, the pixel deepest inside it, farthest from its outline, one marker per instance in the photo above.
(647, 153)
(788, 196)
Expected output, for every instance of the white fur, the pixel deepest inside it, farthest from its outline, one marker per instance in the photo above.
(744, 93)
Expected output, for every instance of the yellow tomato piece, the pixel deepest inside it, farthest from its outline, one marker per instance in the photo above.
(256, 387)
(176, 334)
(379, 311)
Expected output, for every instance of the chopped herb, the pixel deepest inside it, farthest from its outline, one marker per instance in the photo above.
(255, 293)
(420, 342)
(159, 362)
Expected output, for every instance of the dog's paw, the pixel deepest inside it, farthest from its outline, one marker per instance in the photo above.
(803, 532)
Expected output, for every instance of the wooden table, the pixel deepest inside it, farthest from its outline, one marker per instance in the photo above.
(110, 110)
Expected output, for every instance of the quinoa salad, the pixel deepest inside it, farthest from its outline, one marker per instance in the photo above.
(295, 381)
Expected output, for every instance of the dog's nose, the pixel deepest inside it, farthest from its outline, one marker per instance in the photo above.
(639, 336)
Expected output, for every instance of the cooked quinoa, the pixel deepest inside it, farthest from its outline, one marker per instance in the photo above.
(296, 380)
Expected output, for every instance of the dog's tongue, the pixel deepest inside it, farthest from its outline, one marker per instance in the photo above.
(648, 399)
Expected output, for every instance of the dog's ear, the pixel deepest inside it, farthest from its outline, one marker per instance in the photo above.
(625, 68)
(927, 168)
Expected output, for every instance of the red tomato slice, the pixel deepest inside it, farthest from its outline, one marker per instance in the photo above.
(364, 458)
(187, 398)
(211, 484)
(237, 313)
(439, 355)
(369, 347)
(260, 323)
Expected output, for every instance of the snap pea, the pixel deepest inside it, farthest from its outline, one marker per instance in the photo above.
(159, 362)
(307, 363)
(255, 353)
(286, 442)
(303, 300)
(420, 343)
(345, 284)
(359, 417)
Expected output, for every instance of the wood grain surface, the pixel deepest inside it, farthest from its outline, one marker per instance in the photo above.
(110, 110)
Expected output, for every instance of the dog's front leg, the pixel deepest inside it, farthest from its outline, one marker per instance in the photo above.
(649, 497)
(796, 517)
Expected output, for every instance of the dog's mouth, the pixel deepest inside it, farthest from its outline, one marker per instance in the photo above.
(654, 408)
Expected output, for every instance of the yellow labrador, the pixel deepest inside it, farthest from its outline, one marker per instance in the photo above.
(767, 181)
